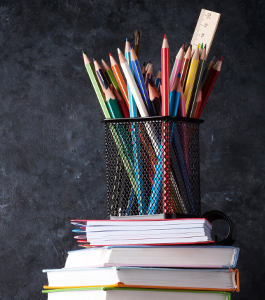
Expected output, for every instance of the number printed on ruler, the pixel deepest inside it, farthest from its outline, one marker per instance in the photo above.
(205, 29)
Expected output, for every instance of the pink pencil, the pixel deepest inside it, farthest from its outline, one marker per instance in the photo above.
(165, 77)
(177, 65)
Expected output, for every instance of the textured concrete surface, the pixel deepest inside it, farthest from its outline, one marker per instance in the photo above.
(52, 165)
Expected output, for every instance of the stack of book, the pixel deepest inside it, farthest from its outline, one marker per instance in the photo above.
(145, 259)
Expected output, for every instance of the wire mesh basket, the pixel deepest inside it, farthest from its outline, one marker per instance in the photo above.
(153, 166)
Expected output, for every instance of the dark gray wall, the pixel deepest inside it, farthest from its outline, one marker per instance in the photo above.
(52, 165)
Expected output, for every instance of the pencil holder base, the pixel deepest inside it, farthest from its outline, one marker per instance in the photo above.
(153, 166)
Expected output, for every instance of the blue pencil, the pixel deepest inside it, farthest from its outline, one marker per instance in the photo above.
(140, 81)
(158, 80)
(136, 146)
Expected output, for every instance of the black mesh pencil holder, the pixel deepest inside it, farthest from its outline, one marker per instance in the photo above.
(153, 166)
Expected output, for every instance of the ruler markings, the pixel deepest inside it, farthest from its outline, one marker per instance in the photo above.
(205, 29)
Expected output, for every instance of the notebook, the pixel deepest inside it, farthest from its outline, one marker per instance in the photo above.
(144, 232)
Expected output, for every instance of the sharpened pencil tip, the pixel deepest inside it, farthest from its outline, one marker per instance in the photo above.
(165, 36)
(83, 51)
(119, 51)
(94, 60)
(130, 47)
(198, 46)
(205, 46)
(183, 46)
(110, 54)
(221, 58)
(127, 40)
(202, 46)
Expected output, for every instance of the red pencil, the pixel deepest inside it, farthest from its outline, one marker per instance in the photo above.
(210, 84)
(198, 104)
(165, 77)
(166, 198)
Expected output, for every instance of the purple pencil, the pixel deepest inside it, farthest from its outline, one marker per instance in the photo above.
(177, 65)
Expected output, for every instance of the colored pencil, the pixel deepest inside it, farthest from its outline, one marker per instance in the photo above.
(182, 109)
(180, 155)
(111, 101)
(137, 36)
(136, 144)
(154, 98)
(185, 67)
(115, 112)
(110, 76)
(120, 80)
(121, 102)
(96, 85)
(197, 83)
(101, 75)
(191, 78)
(165, 57)
(158, 80)
(210, 84)
(140, 81)
(174, 98)
(133, 86)
(207, 73)
(100, 95)
(200, 49)
(165, 141)
(133, 109)
(136, 94)
(177, 65)
(198, 105)
(149, 75)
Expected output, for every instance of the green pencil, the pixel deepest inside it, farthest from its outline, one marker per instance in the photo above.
(96, 85)
(93, 77)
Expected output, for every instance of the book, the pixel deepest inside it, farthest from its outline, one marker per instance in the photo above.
(155, 256)
(167, 278)
(105, 293)
(144, 232)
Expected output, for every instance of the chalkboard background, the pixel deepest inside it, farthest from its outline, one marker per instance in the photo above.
(52, 157)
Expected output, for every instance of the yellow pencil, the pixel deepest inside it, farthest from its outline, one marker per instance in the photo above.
(191, 76)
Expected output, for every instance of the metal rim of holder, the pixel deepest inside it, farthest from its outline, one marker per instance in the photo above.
(157, 118)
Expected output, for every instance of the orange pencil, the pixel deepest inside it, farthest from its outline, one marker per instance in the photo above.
(119, 77)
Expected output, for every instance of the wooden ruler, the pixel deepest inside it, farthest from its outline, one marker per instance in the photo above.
(205, 29)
